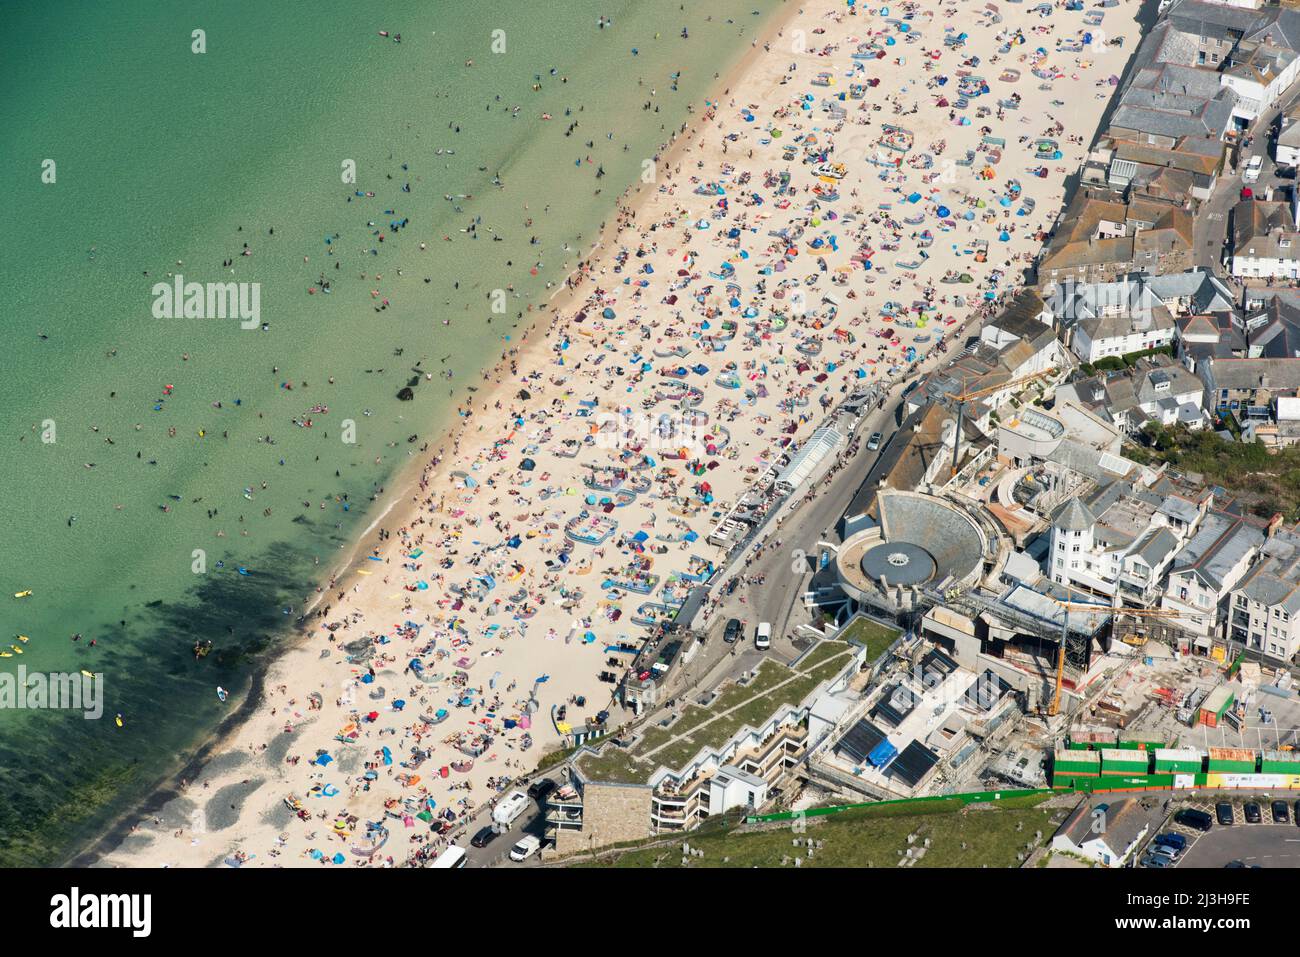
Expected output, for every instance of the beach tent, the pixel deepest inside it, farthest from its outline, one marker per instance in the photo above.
(528, 465)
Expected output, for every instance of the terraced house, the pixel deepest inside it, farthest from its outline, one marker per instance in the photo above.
(1264, 607)
(731, 751)
(1207, 568)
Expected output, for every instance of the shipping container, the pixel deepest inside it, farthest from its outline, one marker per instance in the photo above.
(1219, 701)
(1280, 762)
(1085, 763)
(1179, 760)
(1091, 740)
(1116, 761)
(1231, 760)
(1128, 782)
(1140, 739)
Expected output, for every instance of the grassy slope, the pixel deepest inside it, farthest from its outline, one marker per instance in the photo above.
(868, 837)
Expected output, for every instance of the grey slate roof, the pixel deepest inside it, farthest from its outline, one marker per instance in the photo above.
(1156, 546)
(1074, 516)
(1275, 578)
(1249, 374)
(1216, 548)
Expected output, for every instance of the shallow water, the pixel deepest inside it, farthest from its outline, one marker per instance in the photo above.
(162, 155)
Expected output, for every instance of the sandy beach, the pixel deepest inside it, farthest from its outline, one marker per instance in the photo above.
(863, 186)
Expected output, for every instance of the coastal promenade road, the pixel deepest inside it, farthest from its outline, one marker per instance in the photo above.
(788, 569)
(497, 853)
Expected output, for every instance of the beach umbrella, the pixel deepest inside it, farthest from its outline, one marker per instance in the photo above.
(528, 465)
(608, 313)
(944, 212)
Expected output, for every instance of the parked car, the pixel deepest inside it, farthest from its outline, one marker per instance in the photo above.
(1196, 820)
(763, 636)
(1170, 839)
(1157, 860)
(484, 837)
(540, 789)
(1223, 811)
(526, 848)
(873, 443)
(1252, 812)
(1281, 813)
(733, 631)
(1296, 816)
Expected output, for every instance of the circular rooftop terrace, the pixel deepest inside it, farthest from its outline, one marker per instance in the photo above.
(919, 540)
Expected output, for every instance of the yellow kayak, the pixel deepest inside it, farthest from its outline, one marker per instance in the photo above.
(16, 649)
(88, 674)
(23, 594)
(6, 654)
(23, 638)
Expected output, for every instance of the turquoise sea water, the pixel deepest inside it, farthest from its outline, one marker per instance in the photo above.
(163, 155)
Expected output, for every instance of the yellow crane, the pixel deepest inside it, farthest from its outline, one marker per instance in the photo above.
(965, 397)
(1116, 612)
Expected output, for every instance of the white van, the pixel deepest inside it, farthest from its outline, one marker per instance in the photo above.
(763, 637)
(511, 806)
(526, 848)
